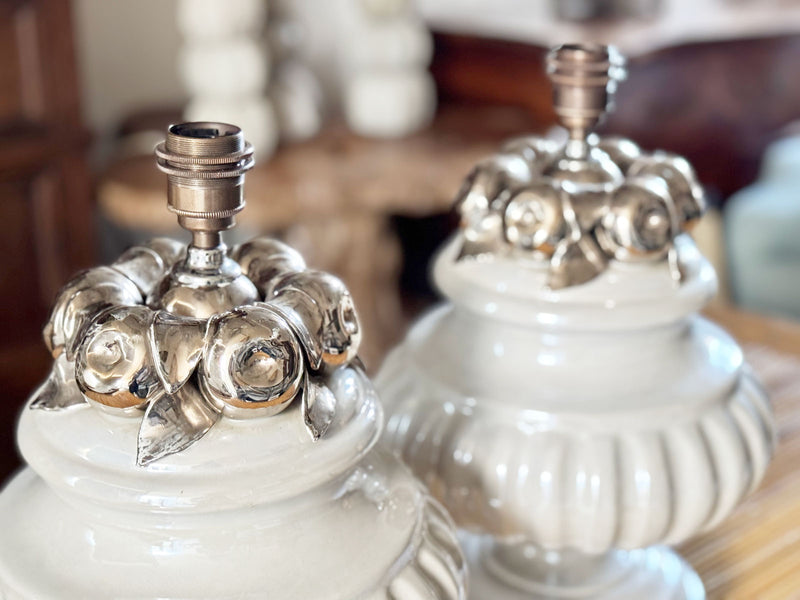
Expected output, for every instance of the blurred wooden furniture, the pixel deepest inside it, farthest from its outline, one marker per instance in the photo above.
(45, 192)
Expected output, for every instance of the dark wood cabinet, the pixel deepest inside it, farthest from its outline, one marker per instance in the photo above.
(45, 192)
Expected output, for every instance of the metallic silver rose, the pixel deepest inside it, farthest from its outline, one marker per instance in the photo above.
(483, 196)
(170, 251)
(113, 365)
(264, 260)
(640, 222)
(252, 364)
(146, 265)
(78, 302)
(622, 151)
(534, 218)
(491, 181)
(684, 188)
(537, 151)
(322, 312)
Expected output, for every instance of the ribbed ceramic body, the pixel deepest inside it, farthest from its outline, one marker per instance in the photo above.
(596, 417)
(255, 509)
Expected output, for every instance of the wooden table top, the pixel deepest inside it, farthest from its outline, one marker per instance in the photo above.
(755, 553)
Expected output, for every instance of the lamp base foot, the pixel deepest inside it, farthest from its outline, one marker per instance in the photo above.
(525, 572)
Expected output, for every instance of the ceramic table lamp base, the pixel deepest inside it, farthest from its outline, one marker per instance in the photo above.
(631, 452)
(234, 516)
(208, 431)
(568, 405)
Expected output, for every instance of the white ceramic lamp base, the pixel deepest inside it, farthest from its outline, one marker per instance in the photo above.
(207, 430)
(619, 431)
(525, 573)
(231, 517)
(568, 401)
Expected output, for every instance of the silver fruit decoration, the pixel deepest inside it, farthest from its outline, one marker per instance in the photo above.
(640, 222)
(253, 361)
(183, 336)
(682, 184)
(146, 265)
(113, 365)
(583, 203)
(264, 260)
(534, 218)
(322, 312)
(84, 296)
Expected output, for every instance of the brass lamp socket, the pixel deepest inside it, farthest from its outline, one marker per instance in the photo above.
(205, 165)
(584, 78)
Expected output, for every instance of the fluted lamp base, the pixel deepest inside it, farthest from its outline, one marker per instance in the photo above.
(526, 572)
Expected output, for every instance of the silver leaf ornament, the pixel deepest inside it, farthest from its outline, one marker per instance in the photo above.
(173, 422)
(176, 344)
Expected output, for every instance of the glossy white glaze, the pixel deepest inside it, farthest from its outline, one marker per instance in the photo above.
(597, 417)
(255, 509)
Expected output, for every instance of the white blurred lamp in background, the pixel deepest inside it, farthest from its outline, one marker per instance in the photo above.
(385, 50)
(225, 66)
(241, 63)
(246, 61)
(294, 89)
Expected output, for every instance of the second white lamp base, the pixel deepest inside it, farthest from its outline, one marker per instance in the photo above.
(523, 572)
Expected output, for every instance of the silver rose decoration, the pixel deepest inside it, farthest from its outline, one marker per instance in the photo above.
(578, 206)
(182, 374)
